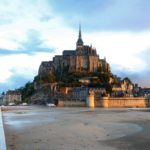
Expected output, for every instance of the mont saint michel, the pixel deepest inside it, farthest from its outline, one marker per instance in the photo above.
(74, 75)
(67, 107)
(80, 77)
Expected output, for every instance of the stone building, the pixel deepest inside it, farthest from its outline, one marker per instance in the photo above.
(12, 96)
(81, 93)
(83, 58)
(124, 89)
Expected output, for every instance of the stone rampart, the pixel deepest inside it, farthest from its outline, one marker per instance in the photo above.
(62, 103)
(109, 102)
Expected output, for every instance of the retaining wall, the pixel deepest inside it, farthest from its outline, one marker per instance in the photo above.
(109, 102)
(62, 103)
(122, 102)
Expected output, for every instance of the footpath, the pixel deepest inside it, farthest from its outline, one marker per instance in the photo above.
(2, 134)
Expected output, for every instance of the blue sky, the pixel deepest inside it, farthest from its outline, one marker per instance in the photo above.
(32, 31)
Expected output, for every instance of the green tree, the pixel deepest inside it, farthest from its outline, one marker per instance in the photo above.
(128, 80)
(50, 78)
(27, 90)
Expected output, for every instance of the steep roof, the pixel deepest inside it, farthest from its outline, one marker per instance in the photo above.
(69, 53)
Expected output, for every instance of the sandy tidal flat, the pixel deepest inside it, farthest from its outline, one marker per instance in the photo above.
(44, 128)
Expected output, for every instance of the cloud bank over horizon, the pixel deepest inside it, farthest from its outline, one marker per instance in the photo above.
(32, 31)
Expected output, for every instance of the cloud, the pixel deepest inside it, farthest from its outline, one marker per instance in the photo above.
(4, 52)
(145, 57)
(121, 48)
(14, 82)
(105, 15)
(34, 43)
(27, 9)
(14, 24)
(21, 65)
(138, 75)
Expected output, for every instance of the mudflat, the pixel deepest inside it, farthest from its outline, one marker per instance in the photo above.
(47, 128)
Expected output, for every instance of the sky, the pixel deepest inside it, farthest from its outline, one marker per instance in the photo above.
(32, 31)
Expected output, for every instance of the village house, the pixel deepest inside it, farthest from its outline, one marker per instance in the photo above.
(12, 97)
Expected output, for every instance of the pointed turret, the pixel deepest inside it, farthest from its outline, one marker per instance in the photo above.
(79, 41)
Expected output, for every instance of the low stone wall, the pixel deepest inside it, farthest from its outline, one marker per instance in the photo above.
(62, 103)
(122, 102)
(108, 102)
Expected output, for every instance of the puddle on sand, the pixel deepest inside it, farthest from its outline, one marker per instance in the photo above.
(18, 123)
(28, 122)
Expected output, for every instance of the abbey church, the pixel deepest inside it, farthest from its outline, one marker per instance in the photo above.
(83, 58)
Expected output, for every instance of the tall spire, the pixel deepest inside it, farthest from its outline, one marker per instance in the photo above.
(79, 41)
(80, 35)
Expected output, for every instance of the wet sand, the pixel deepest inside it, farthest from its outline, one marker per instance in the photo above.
(44, 128)
(137, 141)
